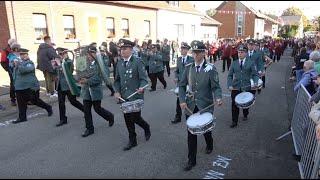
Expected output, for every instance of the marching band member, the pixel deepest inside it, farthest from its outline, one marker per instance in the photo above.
(26, 86)
(64, 89)
(267, 60)
(203, 80)
(105, 56)
(239, 76)
(183, 60)
(131, 77)
(92, 94)
(165, 52)
(156, 68)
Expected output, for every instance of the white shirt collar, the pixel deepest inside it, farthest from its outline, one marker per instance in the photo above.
(243, 61)
(128, 58)
(199, 64)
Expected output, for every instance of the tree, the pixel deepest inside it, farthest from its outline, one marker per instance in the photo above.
(211, 12)
(294, 11)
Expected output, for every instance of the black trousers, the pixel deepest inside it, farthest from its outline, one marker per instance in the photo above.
(23, 96)
(178, 109)
(62, 106)
(110, 88)
(135, 118)
(192, 142)
(12, 90)
(99, 110)
(235, 109)
(154, 77)
(167, 65)
(228, 60)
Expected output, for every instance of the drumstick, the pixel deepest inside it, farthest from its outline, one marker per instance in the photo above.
(122, 99)
(137, 91)
(206, 108)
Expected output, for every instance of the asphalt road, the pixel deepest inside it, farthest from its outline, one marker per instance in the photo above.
(38, 149)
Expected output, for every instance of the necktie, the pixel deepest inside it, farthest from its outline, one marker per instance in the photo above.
(241, 61)
(198, 68)
(125, 63)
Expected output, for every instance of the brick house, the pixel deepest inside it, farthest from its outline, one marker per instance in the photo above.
(70, 22)
(240, 21)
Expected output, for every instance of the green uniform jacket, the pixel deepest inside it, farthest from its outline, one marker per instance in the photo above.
(155, 63)
(257, 58)
(130, 78)
(165, 51)
(181, 67)
(106, 61)
(92, 90)
(62, 82)
(238, 78)
(202, 85)
(24, 76)
(144, 57)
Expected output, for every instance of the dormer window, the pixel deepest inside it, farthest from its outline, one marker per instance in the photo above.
(173, 3)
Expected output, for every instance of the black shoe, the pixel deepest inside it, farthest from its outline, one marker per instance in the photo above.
(233, 124)
(208, 150)
(176, 120)
(61, 123)
(130, 145)
(18, 121)
(111, 121)
(112, 93)
(245, 118)
(13, 103)
(165, 87)
(189, 166)
(50, 112)
(87, 133)
(152, 90)
(147, 134)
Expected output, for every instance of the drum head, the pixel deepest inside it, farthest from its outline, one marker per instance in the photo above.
(244, 97)
(197, 120)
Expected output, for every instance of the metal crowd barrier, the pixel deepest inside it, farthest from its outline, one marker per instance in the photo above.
(304, 138)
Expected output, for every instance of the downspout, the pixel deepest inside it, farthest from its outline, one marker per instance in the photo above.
(14, 22)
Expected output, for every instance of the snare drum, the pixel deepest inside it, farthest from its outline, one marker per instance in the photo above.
(201, 123)
(245, 100)
(132, 106)
(260, 83)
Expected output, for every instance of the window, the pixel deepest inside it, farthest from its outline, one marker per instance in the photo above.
(179, 30)
(240, 25)
(146, 28)
(125, 27)
(193, 30)
(110, 27)
(173, 3)
(40, 25)
(69, 29)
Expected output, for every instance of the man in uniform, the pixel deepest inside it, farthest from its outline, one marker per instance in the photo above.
(131, 77)
(241, 71)
(26, 85)
(183, 60)
(165, 51)
(156, 68)
(203, 80)
(92, 94)
(63, 87)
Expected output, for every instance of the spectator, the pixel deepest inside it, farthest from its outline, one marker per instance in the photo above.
(45, 54)
(299, 60)
(316, 97)
(318, 131)
(5, 64)
(307, 77)
(315, 56)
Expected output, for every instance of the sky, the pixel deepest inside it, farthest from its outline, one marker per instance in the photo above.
(309, 8)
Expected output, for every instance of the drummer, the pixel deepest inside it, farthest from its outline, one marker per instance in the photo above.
(183, 60)
(239, 76)
(131, 77)
(63, 88)
(203, 80)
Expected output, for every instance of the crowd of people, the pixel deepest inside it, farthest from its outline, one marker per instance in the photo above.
(196, 77)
